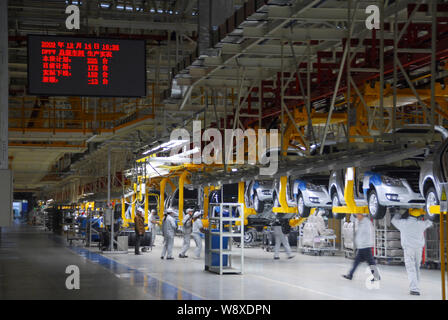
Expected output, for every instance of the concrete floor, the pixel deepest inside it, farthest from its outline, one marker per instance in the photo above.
(33, 262)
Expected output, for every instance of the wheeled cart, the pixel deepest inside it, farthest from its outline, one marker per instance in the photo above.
(316, 238)
(320, 245)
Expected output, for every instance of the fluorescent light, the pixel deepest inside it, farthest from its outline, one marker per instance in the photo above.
(234, 169)
(189, 152)
(167, 146)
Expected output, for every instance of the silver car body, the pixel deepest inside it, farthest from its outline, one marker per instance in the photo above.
(392, 191)
(336, 186)
(276, 193)
(314, 195)
(432, 169)
(263, 190)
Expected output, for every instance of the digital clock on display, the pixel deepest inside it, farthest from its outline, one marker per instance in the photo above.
(72, 66)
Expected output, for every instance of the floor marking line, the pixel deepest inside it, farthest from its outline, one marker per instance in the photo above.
(296, 286)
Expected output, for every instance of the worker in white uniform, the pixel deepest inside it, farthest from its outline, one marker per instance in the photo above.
(412, 240)
(187, 223)
(198, 228)
(152, 222)
(281, 238)
(169, 227)
(364, 245)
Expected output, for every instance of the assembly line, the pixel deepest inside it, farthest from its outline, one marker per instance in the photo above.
(224, 150)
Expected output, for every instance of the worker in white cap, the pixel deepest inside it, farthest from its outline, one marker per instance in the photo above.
(187, 229)
(412, 241)
(152, 223)
(198, 228)
(169, 227)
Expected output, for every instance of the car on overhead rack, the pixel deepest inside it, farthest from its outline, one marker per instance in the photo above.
(419, 132)
(311, 191)
(379, 188)
(307, 192)
(258, 195)
(433, 167)
(434, 172)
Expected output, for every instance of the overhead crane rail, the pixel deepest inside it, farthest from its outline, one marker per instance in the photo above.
(365, 157)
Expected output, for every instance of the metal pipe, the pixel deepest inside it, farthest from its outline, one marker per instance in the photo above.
(394, 108)
(381, 66)
(282, 120)
(442, 253)
(109, 207)
(433, 61)
(348, 73)
(336, 89)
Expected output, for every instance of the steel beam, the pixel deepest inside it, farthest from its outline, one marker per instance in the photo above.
(4, 85)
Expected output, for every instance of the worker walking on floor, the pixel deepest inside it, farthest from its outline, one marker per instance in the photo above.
(412, 240)
(188, 229)
(198, 228)
(152, 222)
(280, 235)
(364, 245)
(139, 223)
(169, 227)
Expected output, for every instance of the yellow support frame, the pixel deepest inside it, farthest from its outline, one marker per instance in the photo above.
(247, 211)
(182, 179)
(349, 196)
(282, 199)
(162, 195)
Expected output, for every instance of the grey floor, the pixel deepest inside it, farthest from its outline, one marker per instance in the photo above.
(33, 262)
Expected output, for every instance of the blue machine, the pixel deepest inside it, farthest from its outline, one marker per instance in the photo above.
(215, 245)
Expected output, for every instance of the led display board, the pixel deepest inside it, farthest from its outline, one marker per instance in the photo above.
(72, 66)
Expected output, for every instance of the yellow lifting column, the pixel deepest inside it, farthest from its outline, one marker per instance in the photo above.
(162, 197)
(349, 196)
(247, 211)
(146, 207)
(282, 199)
(284, 205)
(182, 179)
(207, 190)
(442, 209)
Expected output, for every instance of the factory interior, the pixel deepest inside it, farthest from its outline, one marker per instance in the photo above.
(223, 150)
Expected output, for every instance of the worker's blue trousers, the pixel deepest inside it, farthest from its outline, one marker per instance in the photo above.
(364, 254)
